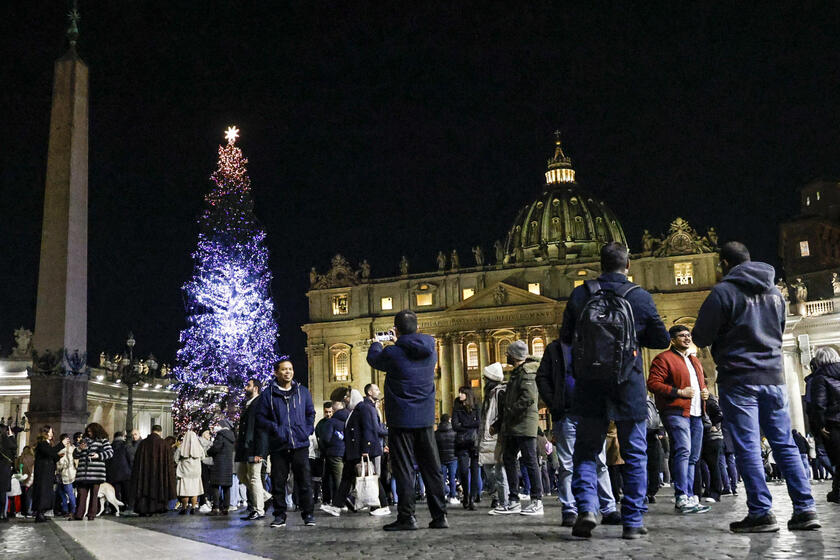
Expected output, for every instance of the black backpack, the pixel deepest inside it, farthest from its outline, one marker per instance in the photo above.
(604, 345)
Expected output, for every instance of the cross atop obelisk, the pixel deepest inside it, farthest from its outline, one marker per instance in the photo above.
(58, 376)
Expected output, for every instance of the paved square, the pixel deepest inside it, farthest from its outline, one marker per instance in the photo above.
(472, 535)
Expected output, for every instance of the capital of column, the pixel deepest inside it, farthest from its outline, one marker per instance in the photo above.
(314, 350)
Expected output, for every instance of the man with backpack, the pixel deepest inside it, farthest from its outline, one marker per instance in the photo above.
(607, 321)
(676, 380)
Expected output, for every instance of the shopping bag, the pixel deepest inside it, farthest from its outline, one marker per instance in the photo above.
(367, 485)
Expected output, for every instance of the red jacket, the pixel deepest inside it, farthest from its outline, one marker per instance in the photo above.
(668, 373)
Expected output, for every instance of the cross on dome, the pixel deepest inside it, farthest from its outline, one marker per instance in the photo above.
(231, 134)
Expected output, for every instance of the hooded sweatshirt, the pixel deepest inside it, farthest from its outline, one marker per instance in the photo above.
(743, 319)
(410, 380)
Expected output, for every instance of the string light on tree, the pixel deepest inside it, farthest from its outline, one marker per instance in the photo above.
(231, 330)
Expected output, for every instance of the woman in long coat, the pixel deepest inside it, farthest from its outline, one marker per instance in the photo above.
(188, 470)
(221, 472)
(92, 453)
(43, 488)
(7, 461)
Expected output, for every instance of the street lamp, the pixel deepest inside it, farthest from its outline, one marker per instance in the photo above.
(130, 371)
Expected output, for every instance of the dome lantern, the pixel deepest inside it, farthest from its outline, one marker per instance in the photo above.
(560, 166)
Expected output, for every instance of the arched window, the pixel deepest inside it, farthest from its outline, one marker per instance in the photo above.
(472, 355)
(537, 347)
(503, 346)
(340, 362)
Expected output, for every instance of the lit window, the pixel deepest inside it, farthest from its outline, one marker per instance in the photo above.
(341, 363)
(475, 383)
(537, 347)
(683, 274)
(424, 299)
(472, 355)
(339, 305)
(581, 273)
(387, 303)
(467, 293)
(804, 249)
(578, 283)
(503, 346)
(534, 288)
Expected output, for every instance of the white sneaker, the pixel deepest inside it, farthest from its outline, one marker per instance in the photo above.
(379, 512)
(505, 509)
(710, 500)
(206, 508)
(524, 497)
(534, 508)
(332, 510)
(454, 501)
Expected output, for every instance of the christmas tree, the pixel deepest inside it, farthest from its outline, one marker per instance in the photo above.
(231, 329)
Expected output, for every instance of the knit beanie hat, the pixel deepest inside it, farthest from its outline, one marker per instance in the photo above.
(518, 350)
(494, 372)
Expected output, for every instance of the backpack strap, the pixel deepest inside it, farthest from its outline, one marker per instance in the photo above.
(625, 289)
(593, 286)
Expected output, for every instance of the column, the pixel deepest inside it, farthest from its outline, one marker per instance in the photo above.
(793, 378)
(445, 381)
(483, 357)
(361, 372)
(317, 374)
(457, 364)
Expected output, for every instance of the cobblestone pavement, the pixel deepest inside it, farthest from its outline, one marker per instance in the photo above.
(472, 535)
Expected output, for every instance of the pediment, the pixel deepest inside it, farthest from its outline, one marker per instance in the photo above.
(500, 294)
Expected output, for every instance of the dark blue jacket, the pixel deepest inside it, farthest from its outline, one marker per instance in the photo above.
(333, 437)
(555, 387)
(285, 419)
(364, 432)
(743, 320)
(825, 390)
(627, 401)
(410, 383)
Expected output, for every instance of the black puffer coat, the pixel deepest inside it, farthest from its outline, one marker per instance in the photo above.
(221, 471)
(825, 401)
(445, 439)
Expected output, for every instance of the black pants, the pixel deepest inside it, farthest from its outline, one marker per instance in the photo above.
(121, 490)
(710, 455)
(468, 473)
(407, 445)
(654, 463)
(316, 467)
(528, 447)
(296, 461)
(333, 467)
(832, 448)
(220, 497)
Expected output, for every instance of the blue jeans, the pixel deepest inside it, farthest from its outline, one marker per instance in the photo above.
(632, 439)
(686, 443)
(565, 432)
(807, 464)
(68, 497)
(497, 479)
(449, 471)
(751, 410)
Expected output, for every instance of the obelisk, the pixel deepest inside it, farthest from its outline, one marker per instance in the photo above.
(59, 373)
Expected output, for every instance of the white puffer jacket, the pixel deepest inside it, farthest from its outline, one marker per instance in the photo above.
(66, 466)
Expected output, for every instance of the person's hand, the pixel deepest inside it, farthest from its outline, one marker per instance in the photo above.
(365, 456)
(825, 432)
(257, 459)
(704, 394)
(686, 393)
(94, 455)
(385, 449)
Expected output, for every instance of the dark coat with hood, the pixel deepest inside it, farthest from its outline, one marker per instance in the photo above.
(410, 380)
(8, 448)
(118, 467)
(743, 319)
(222, 450)
(153, 475)
(465, 423)
(46, 456)
(445, 439)
(333, 435)
(628, 400)
(363, 432)
(285, 419)
(520, 416)
(825, 396)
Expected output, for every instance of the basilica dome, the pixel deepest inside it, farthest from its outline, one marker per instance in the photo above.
(565, 222)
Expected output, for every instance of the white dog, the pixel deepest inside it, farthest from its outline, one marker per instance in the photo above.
(106, 493)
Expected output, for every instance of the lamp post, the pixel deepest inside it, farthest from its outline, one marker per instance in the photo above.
(130, 371)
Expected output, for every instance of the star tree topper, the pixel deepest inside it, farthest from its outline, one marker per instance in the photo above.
(232, 133)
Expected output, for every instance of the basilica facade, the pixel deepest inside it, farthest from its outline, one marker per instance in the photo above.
(475, 310)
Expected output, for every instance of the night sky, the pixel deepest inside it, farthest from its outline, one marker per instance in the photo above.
(402, 128)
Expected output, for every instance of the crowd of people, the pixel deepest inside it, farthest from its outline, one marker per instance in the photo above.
(616, 437)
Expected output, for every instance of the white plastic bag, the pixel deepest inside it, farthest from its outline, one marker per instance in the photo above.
(367, 485)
